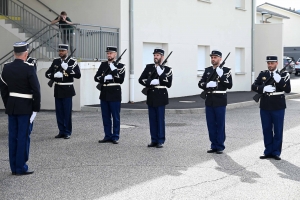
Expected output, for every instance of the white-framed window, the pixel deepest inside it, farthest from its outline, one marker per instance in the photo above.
(239, 61)
(240, 4)
(148, 49)
(203, 58)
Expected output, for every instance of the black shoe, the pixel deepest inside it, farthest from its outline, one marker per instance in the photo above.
(212, 151)
(277, 157)
(104, 141)
(25, 173)
(13, 173)
(219, 152)
(152, 144)
(115, 142)
(159, 146)
(59, 136)
(265, 156)
(67, 137)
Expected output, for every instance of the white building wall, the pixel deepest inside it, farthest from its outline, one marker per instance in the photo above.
(182, 26)
(265, 46)
(291, 28)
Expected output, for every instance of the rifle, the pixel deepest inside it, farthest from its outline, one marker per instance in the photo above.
(270, 81)
(50, 83)
(30, 52)
(145, 90)
(107, 71)
(212, 77)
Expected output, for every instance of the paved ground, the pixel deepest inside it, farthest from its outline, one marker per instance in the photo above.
(81, 168)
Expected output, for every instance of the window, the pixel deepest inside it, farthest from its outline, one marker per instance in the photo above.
(203, 59)
(240, 4)
(148, 49)
(239, 61)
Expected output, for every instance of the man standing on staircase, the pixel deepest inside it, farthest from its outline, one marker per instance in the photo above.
(65, 24)
(63, 72)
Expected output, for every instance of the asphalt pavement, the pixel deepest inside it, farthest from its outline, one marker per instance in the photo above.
(81, 168)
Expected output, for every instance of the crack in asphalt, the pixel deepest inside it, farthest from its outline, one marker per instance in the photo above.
(209, 181)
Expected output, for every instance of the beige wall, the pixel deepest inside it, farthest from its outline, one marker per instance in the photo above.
(291, 28)
(7, 39)
(267, 44)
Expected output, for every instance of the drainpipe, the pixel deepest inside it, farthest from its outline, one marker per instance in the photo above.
(252, 41)
(131, 51)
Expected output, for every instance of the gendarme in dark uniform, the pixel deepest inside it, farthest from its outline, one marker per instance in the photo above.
(110, 75)
(157, 96)
(31, 60)
(216, 101)
(63, 74)
(20, 92)
(273, 86)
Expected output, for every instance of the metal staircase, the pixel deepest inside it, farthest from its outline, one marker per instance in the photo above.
(89, 40)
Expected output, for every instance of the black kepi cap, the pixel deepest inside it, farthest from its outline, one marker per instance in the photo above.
(20, 47)
(216, 53)
(63, 47)
(111, 49)
(159, 51)
(272, 59)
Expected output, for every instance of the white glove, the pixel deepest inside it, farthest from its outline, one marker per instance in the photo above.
(154, 82)
(58, 75)
(108, 77)
(219, 71)
(159, 70)
(112, 67)
(211, 84)
(64, 65)
(269, 88)
(277, 77)
(32, 117)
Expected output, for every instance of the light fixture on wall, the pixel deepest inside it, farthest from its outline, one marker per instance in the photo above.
(262, 17)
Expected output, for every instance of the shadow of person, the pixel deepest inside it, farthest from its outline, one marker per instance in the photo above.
(229, 166)
(289, 170)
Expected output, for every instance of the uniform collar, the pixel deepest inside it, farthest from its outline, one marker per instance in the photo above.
(276, 70)
(19, 60)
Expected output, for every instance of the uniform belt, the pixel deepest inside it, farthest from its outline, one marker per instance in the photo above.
(159, 87)
(59, 83)
(217, 92)
(275, 93)
(26, 96)
(111, 84)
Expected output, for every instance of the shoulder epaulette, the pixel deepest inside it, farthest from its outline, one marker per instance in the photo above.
(30, 64)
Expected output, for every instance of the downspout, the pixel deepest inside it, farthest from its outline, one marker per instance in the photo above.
(131, 52)
(252, 41)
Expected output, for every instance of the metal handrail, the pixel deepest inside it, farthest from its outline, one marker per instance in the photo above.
(29, 39)
(48, 7)
(34, 11)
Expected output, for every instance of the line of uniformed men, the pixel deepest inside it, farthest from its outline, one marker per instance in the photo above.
(21, 96)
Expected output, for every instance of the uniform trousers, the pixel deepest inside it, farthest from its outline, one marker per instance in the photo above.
(18, 144)
(111, 109)
(63, 108)
(157, 124)
(272, 125)
(215, 119)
